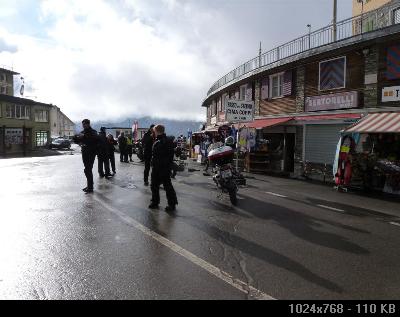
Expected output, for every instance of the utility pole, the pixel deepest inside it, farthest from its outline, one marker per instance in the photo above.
(334, 20)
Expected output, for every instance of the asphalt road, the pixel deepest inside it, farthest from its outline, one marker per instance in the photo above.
(285, 240)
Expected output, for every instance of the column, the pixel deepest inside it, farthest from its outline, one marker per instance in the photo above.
(371, 77)
(300, 88)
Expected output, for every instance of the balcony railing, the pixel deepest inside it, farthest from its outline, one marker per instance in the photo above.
(374, 20)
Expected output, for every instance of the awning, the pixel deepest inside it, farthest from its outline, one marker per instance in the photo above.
(265, 123)
(335, 116)
(388, 122)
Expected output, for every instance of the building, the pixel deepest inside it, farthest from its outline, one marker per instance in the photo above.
(24, 124)
(116, 131)
(364, 6)
(7, 81)
(308, 90)
(61, 125)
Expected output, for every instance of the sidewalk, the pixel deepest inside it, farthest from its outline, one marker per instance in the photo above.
(37, 153)
(313, 190)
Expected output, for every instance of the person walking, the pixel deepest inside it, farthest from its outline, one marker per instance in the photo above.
(147, 145)
(102, 155)
(111, 150)
(122, 143)
(89, 141)
(161, 162)
(129, 147)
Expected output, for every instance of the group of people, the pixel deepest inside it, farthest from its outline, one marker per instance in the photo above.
(158, 157)
(125, 145)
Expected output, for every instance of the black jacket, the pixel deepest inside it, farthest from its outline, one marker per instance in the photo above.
(122, 142)
(147, 145)
(89, 141)
(110, 146)
(163, 155)
(102, 144)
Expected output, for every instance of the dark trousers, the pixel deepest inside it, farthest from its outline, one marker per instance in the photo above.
(88, 161)
(147, 165)
(123, 155)
(129, 150)
(112, 161)
(103, 161)
(165, 179)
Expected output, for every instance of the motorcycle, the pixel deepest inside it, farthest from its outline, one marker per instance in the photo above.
(224, 173)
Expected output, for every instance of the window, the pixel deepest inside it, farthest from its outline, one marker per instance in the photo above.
(41, 116)
(41, 138)
(17, 112)
(396, 16)
(242, 92)
(3, 90)
(276, 84)
(332, 74)
(2, 77)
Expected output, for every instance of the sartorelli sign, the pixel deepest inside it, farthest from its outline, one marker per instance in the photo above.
(391, 94)
(343, 100)
(239, 111)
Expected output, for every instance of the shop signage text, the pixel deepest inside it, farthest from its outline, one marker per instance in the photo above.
(239, 111)
(391, 94)
(343, 100)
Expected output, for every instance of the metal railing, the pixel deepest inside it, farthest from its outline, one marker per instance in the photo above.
(371, 21)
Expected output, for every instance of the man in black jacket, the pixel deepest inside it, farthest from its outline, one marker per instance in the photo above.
(89, 141)
(123, 151)
(147, 145)
(102, 156)
(111, 149)
(161, 162)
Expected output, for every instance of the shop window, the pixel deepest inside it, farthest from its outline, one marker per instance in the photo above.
(41, 138)
(276, 84)
(332, 74)
(41, 116)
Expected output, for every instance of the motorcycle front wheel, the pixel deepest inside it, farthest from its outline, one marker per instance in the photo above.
(232, 196)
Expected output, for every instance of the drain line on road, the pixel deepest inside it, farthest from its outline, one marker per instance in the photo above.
(213, 270)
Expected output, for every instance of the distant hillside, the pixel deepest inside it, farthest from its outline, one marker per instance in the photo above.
(173, 127)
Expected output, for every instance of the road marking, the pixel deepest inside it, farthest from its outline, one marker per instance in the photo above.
(395, 223)
(331, 208)
(275, 194)
(238, 284)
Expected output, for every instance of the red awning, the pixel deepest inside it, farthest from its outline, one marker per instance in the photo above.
(265, 123)
(335, 116)
(378, 123)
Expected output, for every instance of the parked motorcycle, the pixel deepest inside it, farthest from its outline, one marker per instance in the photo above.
(224, 173)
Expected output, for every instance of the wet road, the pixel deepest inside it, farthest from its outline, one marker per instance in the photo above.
(280, 242)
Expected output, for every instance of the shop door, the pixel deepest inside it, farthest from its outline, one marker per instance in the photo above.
(321, 141)
(290, 144)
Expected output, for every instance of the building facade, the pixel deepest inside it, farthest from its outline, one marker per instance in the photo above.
(24, 124)
(308, 90)
(7, 81)
(61, 125)
(364, 6)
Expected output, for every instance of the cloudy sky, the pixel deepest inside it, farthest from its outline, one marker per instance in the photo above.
(113, 59)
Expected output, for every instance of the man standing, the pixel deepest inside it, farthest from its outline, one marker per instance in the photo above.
(89, 141)
(110, 149)
(129, 147)
(161, 162)
(102, 156)
(122, 143)
(147, 144)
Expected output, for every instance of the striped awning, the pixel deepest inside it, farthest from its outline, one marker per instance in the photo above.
(388, 122)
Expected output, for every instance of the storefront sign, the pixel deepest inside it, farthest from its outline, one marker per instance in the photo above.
(13, 136)
(343, 100)
(391, 94)
(239, 111)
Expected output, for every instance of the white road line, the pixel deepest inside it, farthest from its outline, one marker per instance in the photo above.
(331, 208)
(275, 194)
(238, 284)
(395, 223)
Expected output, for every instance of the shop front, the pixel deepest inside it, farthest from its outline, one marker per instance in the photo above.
(270, 146)
(368, 154)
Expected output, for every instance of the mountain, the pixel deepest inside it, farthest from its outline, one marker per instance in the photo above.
(173, 127)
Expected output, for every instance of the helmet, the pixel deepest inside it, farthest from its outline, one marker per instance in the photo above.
(229, 141)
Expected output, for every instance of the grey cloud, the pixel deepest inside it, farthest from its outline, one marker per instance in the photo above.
(5, 47)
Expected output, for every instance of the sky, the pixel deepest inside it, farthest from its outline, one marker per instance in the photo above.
(117, 59)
